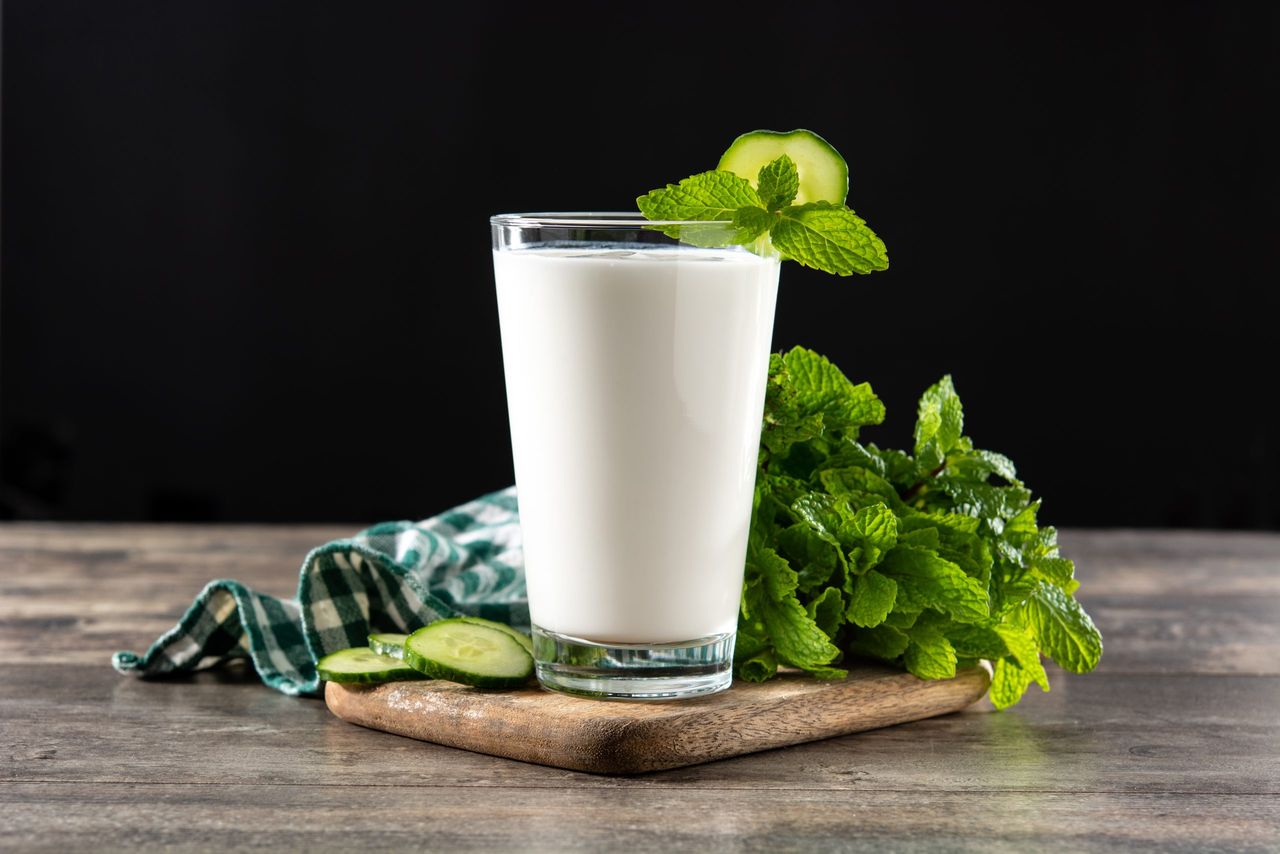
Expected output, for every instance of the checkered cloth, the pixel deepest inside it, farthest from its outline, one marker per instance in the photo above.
(393, 577)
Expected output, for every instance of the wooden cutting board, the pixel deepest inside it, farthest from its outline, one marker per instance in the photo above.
(606, 737)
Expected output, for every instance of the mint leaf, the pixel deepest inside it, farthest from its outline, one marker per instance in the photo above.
(872, 599)
(707, 196)
(983, 500)
(827, 672)
(854, 481)
(869, 535)
(778, 183)
(814, 559)
(759, 667)
(1063, 629)
(977, 641)
(821, 387)
(901, 617)
(1008, 683)
(929, 655)
(1025, 651)
(927, 581)
(819, 512)
(827, 610)
(883, 641)
(830, 238)
(1055, 570)
(939, 423)
(796, 638)
(751, 222)
(1022, 527)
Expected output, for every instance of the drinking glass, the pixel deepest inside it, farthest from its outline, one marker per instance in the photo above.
(635, 357)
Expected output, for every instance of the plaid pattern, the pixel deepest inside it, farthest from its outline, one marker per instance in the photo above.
(393, 577)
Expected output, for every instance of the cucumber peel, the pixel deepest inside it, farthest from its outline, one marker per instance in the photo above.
(824, 176)
(361, 665)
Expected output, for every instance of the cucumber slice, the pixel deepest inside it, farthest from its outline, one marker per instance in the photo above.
(388, 644)
(361, 664)
(824, 176)
(525, 640)
(462, 651)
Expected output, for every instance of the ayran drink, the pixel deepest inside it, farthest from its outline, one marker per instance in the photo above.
(635, 374)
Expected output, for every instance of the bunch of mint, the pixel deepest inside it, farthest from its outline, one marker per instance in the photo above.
(823, 235)
(932, 559)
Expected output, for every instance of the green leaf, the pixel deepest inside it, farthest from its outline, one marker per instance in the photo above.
(868, 536)
(814, 559)
(1022, 527)
(930, 655)
(778, 183)
(819, 512)
(827, 673)
(901, 618)
(1065, 631)
(977, 641)
(872, 599)
(900, 468)
(849, 453)
(830, 238)
(749, 645)
(1008, 683)
(983, 500)
(820, 387)
(1023, 648)
(883, 641)
(925, 538)
(928, 581)
(797, 639)
(1056, 570)
(854, 480)
(939, 423)
(707, 196)
(759, 667)
(751, 222)
(1001, 465)
(827, 610)
(980, 466)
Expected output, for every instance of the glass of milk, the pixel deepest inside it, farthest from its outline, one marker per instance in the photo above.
(635, 373)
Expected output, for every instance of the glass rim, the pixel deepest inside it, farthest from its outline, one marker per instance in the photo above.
(592, 219)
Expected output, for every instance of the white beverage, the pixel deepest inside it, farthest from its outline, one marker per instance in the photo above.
(635, 387)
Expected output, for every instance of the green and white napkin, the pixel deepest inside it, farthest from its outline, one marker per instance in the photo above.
(393, 577)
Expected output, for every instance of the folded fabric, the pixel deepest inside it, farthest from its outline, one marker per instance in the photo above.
(393, 577)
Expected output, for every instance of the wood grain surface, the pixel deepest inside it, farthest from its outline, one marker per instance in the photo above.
(1172, 745)
(628, 738)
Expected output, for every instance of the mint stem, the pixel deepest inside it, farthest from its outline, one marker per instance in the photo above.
(915, 491)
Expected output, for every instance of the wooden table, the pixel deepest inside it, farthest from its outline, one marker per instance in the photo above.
(1173, 744)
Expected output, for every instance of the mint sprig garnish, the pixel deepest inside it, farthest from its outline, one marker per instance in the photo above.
(930, 559)
(824, 235)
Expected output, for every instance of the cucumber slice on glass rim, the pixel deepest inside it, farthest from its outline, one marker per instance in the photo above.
(362, 665)
(824, 176)
(462, 651)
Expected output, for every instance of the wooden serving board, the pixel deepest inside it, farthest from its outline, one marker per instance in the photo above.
(609, 737)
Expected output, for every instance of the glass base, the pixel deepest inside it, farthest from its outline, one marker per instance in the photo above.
(625, 671)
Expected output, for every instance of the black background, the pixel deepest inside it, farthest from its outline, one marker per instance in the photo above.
(246, 270)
